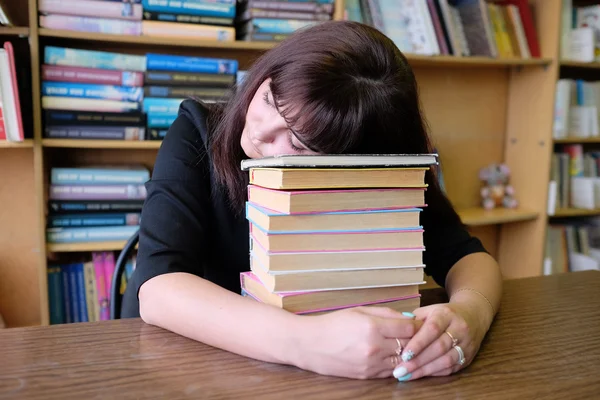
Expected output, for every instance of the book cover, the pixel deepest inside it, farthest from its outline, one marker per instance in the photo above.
(92, 8)
(166, 62)
(92, 91)
(105, 175)
(89, 234)
(223, 10)
(93, 59)
(96, 76)
(91, 24)
(97, 192)
(95, 132)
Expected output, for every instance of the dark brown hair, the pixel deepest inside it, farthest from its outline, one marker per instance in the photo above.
(345, 88)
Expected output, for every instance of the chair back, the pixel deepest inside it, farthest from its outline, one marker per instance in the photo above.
(115, 288)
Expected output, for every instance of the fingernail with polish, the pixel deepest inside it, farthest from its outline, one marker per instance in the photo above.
(407, 355)
(404, 378)
(400, 372)
(408, 314)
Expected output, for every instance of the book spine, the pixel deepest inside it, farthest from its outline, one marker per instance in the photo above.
(156, 105)
(98, 260)
(93, 59)
(90, 91)
(78, 220)
(188, 79)
(69, 206)
(163, 62)
(109, 269)
(187, 19)
(129, 1)
(265, 37)
(81, 297)
(90, 24)
(55, 295)
(82, 104)
(98, 176)
(190, 7)
(90, 234)
(67, 298)
(282, 14)
(160, 120)
(90, 118)
(92, 75)
(74, 295)
(188, 31)
(178, 92)
(97, 192)
(92, 8)
(286, 26)
(91, 297)
(292, 6)
(128, 133)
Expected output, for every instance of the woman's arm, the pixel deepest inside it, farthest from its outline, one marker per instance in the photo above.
(476, 281)
(354, 343)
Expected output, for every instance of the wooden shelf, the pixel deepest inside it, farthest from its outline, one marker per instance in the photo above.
(102, 144)
(14, 31)
(85, 247)
(574, 212)
(478, 216)
(578, 64)
(155, 41)
(10, 145)
(464, 62)
(577, 140)
(415, 60)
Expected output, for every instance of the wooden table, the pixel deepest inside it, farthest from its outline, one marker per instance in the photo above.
(544, 344)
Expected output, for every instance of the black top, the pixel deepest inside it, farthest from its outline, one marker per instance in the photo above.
(187, 225)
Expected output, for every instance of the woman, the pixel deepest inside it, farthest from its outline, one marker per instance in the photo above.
(339, 87)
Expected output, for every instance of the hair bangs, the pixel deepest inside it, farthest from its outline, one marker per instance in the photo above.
(324, 119)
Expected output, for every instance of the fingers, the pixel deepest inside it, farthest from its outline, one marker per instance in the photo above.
(432, 329)
(432, 352)
(385, 312)
(446, 363)
(398, 328)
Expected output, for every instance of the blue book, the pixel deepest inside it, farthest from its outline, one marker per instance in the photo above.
(157, 105)
(202, 8)
(91, 91)
(160, 120)
(89, 234)
(81, 298)
(99, 175)
(93, 219)
(73, 293)
(284, 26)
(164, 62)
(55, 295)
(67, 303)
(274, 222)
(93, 59)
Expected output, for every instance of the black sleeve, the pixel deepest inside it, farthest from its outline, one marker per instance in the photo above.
(446, 242)
(175, 216)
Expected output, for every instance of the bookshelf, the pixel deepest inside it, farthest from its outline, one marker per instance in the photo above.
(27, 143)
(479, 110)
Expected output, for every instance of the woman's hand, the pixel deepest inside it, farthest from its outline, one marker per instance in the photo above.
(430, 352)
(358, 343)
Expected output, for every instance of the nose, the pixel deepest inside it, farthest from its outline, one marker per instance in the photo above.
(269, 130)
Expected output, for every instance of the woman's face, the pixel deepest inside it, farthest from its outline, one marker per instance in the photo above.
(266, 133)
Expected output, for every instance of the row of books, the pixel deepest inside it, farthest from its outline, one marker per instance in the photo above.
(576, 108)
(11, 121)
(580, 28)
(501, 28)
(332, 232)
(572, 245)
(187, 19)
(574, 179)
(90, 94)
(80, 291)
(95, 204)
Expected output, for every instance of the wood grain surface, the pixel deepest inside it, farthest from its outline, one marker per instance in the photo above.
(543, 344)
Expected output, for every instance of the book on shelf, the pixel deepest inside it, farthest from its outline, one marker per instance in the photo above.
(79, 288)
(11, 120)
(364, 252)
(498, 29)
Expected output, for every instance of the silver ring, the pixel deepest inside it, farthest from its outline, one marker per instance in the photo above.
(461, 354)
(454, 341)
(399, 349)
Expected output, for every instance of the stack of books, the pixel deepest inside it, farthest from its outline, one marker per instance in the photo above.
(170, 79)
(95, 204)
(92, 94)
(273, 21)
(332, 232)
(98, 16)
(11, 121)
(190, 19)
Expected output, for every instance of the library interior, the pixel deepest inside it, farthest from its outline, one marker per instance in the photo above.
(292, 170)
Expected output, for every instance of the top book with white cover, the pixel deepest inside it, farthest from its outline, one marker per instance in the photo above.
(341, 161)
